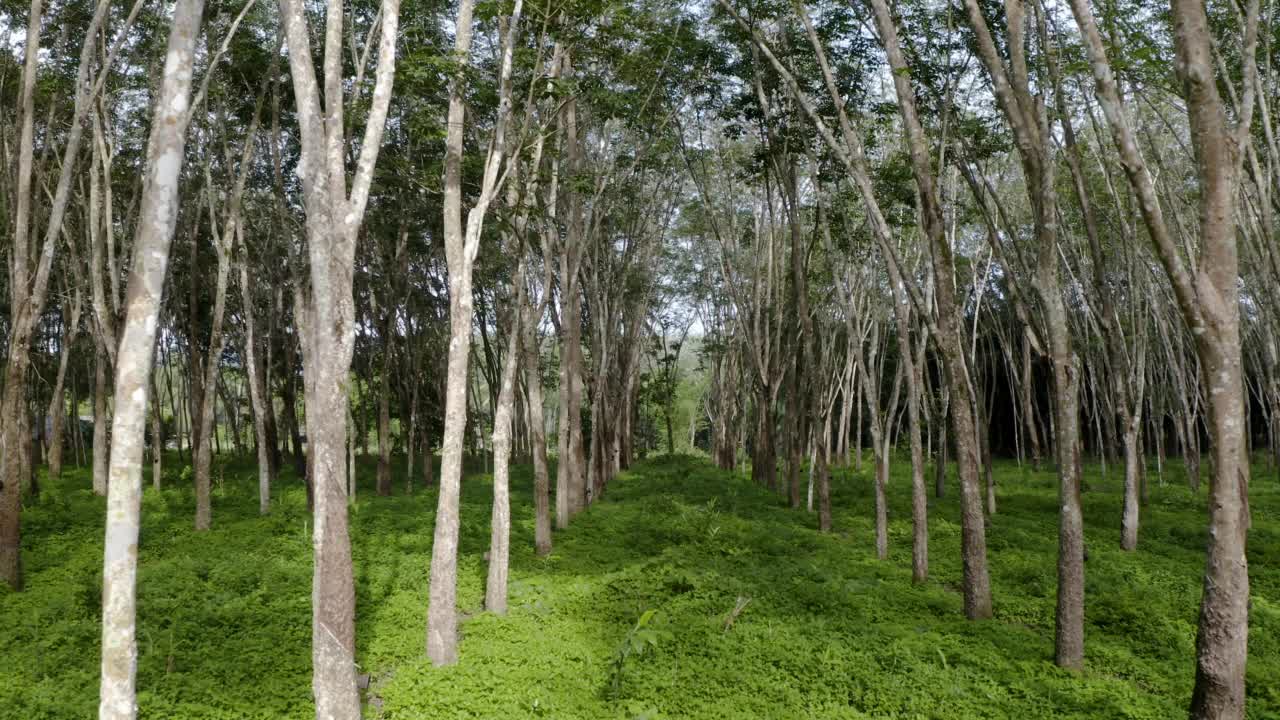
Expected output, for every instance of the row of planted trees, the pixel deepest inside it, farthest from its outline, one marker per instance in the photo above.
(880, 219)
(929, 213)
(308, 268)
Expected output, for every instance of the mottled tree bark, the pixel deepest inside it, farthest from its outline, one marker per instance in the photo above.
(495, 591)
(461, 244)
(797, 405)
(156, 221)
(58, 403)
(1026, 116)
(211, 367)
(538, 434)
(101, 416)
(326, 322)
(257, 393)
(28, 285)
(1026, 396)
(1208, 298)
(157, 438)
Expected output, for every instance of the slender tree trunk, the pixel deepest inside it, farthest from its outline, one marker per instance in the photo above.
(384, 423)
(1208, 298)
(882, 505)
(410, 437)
(763, 464)
(157, 438)
(18, 358)
(28, 285)
(461, 245)
(352, 478)
(156, 221)
(231, 411)
(988, 467)
(1026, 115)
(428, 459)
(538, 435)
(940, 459)
(58, 402)
(915, 379)
(1027, 396)
(563, 463)
(203, 457)
(919, 489)
(822, 478)
(257, 393)
(857, 432)
(101, 433)
(797, 405)
(77, 438)
(1132, 471)
(571, 463)
(495, 594)
(195, 371)
(289, 408)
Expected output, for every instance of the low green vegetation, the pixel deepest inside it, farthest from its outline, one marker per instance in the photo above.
(686, 593)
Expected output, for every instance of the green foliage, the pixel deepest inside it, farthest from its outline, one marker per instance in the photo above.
(642, 638)
(627, 618)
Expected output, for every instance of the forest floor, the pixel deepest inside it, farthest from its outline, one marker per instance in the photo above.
(630, 616)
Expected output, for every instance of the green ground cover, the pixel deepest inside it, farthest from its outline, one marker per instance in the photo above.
(627, 618)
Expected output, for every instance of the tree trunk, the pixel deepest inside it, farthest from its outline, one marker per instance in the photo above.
(195, 371)
(919, 489)
(882, 506)
(495, 593)
(410, 436)
(156, 220)
(1132, 470)
(857, 432)
(428, 459)
(538, 434)
(461, 245)
(101, 433)
(231, 410)
(18, 358)
(940, 458)
(1027, 391)
(203, 456)
(822, 478)
(570, 461)
(1069, 618)
(763, 463)
(157, 438)
(384, 423)
(1208, 298)
(352, 477)
(58, 402)
(289, 408)
(912, 363)
(1026, 115)
(257, 393)
(326, 323)
(28, 286)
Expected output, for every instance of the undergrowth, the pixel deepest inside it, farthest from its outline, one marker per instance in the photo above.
(686, 593)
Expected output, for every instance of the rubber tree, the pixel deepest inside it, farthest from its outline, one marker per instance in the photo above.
(28, 275)
(461, 242)
(157, 219)
(325, 315)
(1208, 298)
